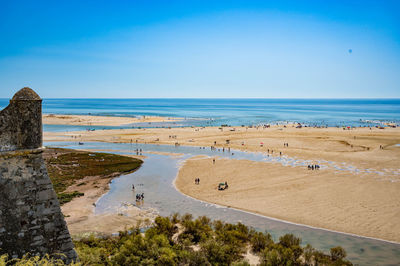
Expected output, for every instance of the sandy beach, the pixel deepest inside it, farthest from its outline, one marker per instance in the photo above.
(90, 120)
(356, 204)
(359, 146)
(366, 204)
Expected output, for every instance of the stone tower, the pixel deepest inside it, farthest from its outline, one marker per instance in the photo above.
(30, 215)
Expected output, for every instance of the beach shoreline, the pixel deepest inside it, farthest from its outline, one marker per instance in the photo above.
(374, 151)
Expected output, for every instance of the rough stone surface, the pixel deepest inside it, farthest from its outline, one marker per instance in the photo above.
(21, 122)
(30, 215)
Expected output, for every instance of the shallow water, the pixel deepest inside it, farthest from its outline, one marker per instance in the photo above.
(155, 180)
(68, 128)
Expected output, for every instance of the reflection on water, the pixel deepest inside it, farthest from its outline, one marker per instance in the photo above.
(155, 180)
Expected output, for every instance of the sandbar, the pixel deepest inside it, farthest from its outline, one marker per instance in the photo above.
(91, 120)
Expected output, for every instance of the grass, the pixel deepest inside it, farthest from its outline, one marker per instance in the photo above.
(66, 167)
(64, 197)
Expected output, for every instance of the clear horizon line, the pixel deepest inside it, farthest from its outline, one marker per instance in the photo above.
(231, 98)
(221, 98)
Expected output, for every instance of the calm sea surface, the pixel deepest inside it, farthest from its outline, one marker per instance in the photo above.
(236, 112)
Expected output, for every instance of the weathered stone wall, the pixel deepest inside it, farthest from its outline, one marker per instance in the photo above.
(21, 122)
(30, 215)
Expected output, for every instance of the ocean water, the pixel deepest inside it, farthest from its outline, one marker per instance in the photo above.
(236, 112)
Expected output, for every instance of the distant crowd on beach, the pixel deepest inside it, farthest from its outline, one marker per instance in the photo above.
(139, 196)
(313, 167)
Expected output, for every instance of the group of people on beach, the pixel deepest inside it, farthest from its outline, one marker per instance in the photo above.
(197, 181)
(213, 148)
(313, 167)
(138, 151)
(286, 144)
(139, 197)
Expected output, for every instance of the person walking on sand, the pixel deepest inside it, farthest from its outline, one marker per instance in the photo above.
(213, 161)
(198, 181)
(133, 187)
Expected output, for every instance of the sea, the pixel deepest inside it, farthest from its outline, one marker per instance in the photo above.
(235, 112)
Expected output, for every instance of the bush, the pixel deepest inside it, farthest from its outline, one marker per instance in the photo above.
(196, 231)
(260, 241)
(289, 240)
(32, 260)
(200, 243)
(308, 252)
(338, 253)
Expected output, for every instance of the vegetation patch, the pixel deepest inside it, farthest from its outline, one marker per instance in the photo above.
(217, 243)
(182, 240)
(64, 197)
(66, 167)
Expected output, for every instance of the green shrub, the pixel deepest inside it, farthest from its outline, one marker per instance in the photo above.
(202, 243)
(338, 253)
(289, 240)
(196, 230)
(260, 241)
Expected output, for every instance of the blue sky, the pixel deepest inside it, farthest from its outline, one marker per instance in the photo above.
(185, 49)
